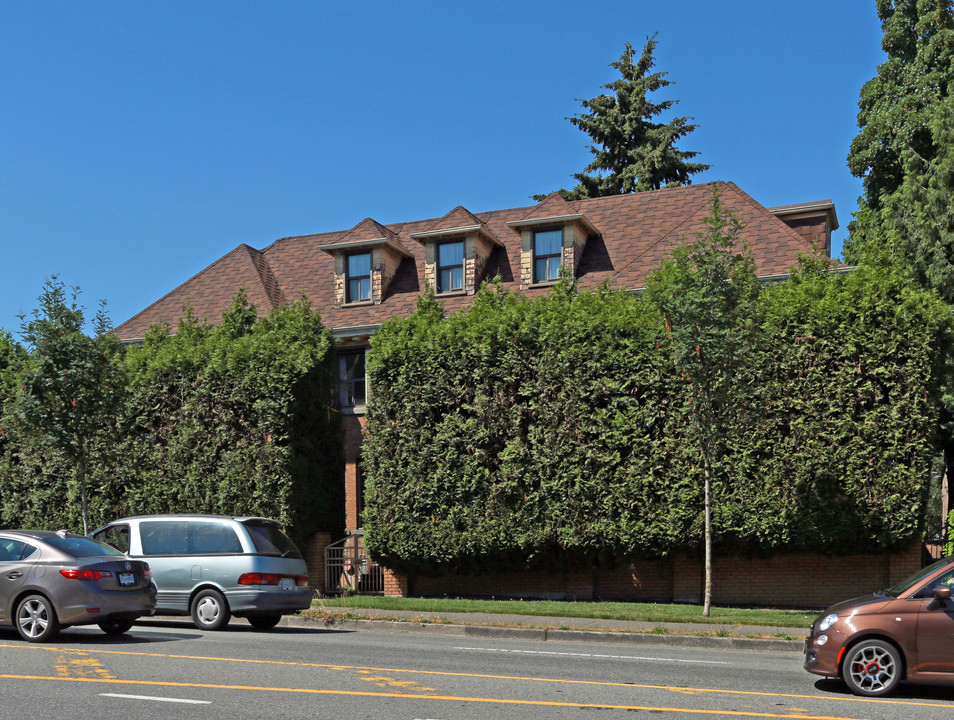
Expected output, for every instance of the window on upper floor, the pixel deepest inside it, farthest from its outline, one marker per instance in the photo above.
(352, 386)
(547, 254)
(358, 277)
(450, 266)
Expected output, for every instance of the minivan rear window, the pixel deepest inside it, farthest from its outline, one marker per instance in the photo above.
(270, 540)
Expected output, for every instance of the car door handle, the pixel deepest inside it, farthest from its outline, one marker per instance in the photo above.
(14, 575)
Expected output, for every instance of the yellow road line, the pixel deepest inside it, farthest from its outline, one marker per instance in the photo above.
(361, 668)
(453, 698)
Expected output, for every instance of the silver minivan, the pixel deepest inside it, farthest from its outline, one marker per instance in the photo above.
(215, 566)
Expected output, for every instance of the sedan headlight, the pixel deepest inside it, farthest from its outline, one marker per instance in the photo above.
(827, 622)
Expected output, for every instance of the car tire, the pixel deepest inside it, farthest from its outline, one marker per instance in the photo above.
(872, 668)
(115, 626)
(264, 622)
(36, 619)
(210, 610)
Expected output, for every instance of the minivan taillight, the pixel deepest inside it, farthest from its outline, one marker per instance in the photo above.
(72, 574)
(271, 579)
(258, 579)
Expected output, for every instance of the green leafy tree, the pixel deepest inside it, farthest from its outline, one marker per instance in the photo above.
(706, 292)
(632, 150)
(71, 386)
(898, 115)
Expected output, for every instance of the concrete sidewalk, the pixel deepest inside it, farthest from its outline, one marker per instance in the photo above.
(543, 628)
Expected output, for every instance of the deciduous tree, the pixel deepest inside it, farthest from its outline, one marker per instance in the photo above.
(706, 291)
(70, 387)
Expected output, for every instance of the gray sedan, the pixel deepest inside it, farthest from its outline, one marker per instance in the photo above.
(51, 580)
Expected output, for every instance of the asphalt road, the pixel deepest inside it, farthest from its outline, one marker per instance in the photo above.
(164, 670)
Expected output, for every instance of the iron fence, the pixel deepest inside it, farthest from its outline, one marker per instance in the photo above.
(349, 570)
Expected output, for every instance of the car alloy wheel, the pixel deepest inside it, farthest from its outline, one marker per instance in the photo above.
(872, 668)
(36, 619)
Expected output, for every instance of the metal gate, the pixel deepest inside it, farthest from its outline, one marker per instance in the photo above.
(349, 570)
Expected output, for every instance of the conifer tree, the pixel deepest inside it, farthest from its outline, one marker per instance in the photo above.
(634, 150)
(901, 139)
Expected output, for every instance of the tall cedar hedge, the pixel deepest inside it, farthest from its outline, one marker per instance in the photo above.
(552, 432)
(233, 418)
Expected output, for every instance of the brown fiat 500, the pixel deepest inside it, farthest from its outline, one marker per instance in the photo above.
(903, 633)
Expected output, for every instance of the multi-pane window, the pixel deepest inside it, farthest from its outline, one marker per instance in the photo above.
(450, 266)
(547, 253)
(358, 277)
(351, 379)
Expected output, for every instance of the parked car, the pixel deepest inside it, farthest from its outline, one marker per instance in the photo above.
(902, 633)
(51, 580)
(214, 566)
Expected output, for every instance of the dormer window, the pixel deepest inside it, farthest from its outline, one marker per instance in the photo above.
(450, 266)
(456, 249)
(366, 260)
(547, 255)
(552, 237)
(359, 277)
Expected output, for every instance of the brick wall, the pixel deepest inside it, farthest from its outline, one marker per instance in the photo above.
(352, 428)
(315, 559)
(796, 580)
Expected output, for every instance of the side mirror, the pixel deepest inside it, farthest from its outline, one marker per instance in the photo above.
(942, 593)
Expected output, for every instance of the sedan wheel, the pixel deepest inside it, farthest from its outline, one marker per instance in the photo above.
(36, 619)
(872, 668)
(210, 611)
(115, 626)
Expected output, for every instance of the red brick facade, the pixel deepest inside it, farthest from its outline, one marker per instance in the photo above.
(795, 580)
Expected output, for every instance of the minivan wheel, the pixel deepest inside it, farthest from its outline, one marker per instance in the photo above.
(872, 668)
(210, 611)
(36, 619)
(264, 622)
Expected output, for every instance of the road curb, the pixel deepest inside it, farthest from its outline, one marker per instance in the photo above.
(552, 635)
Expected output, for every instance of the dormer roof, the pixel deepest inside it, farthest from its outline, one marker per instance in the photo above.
(554, 210)
(459, 221)
(368, 234)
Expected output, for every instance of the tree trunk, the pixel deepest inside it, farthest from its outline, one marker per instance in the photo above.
(707, 599)
(81, 472)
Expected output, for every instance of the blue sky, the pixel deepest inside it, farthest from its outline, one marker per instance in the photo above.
(140, 142)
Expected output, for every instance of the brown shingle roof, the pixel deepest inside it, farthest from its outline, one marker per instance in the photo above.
(635, 233)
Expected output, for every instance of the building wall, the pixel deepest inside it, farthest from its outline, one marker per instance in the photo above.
(352, 427)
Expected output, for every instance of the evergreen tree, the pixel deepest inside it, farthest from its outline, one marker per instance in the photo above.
(635, 151)
(898, 114)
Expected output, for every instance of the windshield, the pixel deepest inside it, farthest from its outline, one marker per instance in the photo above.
(270, 540)
(910, 582)
(81, 546)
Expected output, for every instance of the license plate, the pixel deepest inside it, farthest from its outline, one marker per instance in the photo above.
(127, 579)
(286, 584)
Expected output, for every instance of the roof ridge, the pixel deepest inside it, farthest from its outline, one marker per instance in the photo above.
(689, 217)
(270, 284)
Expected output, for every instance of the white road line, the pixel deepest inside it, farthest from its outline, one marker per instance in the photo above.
(157, 699)
(591, 655)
